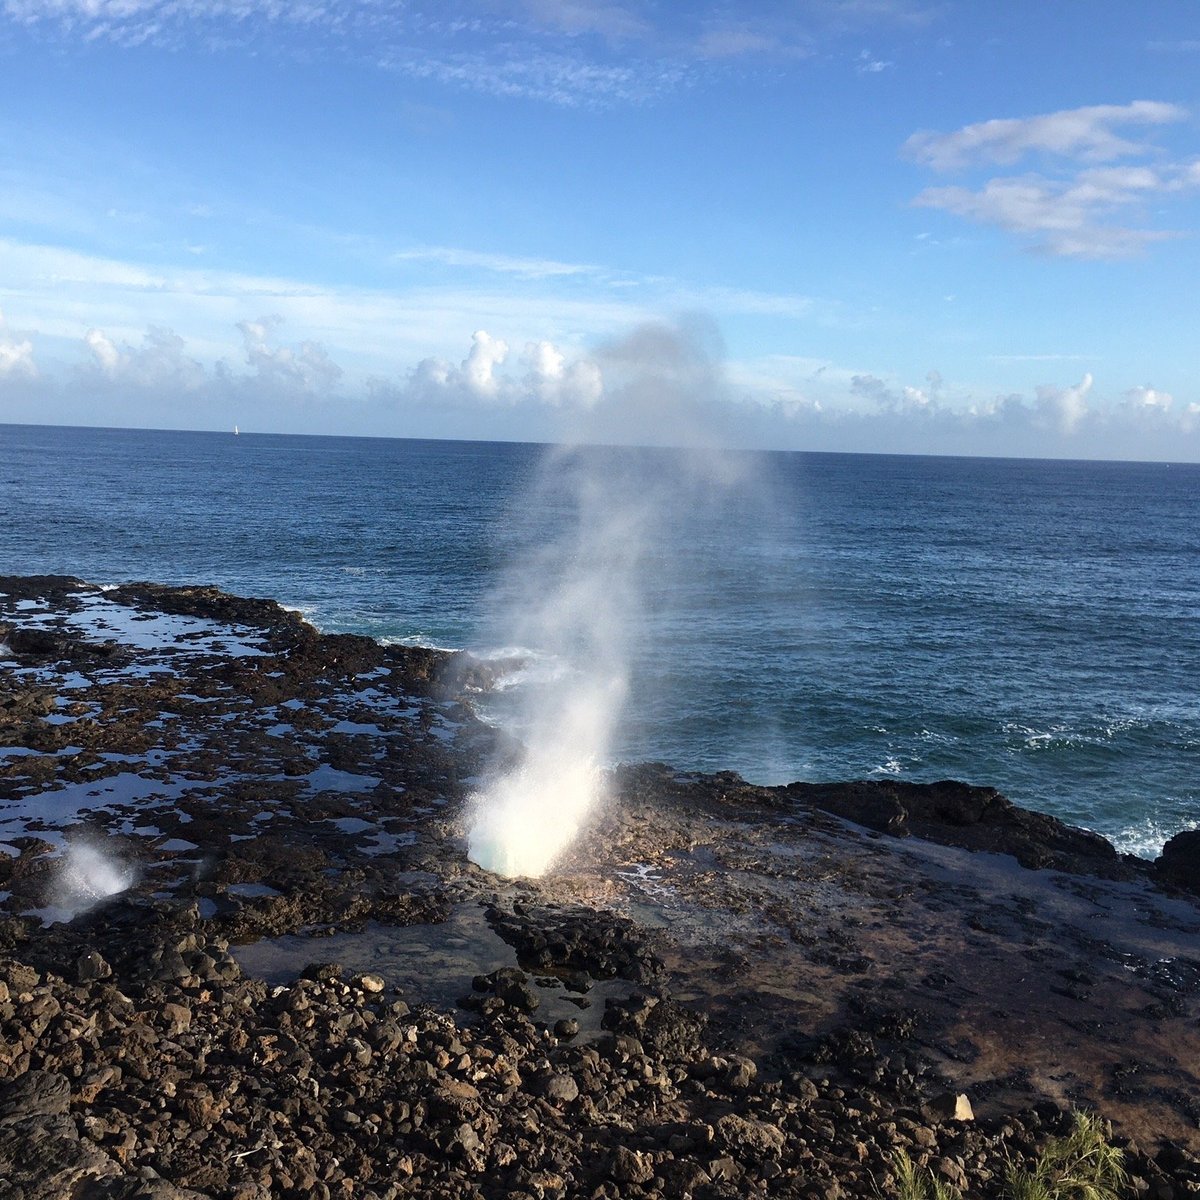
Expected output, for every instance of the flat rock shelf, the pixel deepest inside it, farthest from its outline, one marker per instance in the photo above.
(243, 954)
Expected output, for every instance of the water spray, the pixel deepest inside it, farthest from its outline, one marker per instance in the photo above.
(85, 876)
(597, 538)
(571, 595)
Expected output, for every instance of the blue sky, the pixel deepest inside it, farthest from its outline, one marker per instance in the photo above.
(836, 224)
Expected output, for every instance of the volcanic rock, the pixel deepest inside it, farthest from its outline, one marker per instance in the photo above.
(1179, 863)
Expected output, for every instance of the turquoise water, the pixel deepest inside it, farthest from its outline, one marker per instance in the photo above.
(1030, 625)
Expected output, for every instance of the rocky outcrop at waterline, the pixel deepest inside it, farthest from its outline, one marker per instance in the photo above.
(306, 989)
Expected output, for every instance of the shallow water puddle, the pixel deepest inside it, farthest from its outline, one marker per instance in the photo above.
(431, 964)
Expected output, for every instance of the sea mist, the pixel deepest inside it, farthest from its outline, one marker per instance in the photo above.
(569, 600)
(594, 559)
(87, 873)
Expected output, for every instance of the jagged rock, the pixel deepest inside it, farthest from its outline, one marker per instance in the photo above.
(950, 1106)
(512, 986)
(558, 1089)
(630, 1166)
(1179, 863)
(759, 1137)
(91, 966)
(959, 814)
(33, 1095)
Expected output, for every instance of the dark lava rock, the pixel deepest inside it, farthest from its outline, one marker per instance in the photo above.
(34, 1094)
(558, 1089)
(959, 814)
(578, 939)
(91, 966)
(47, 644)
(41, 587)
(512, 986)
(1179, 863)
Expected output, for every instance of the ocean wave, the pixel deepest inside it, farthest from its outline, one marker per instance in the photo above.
(418, 640)
(304, 610)
(1100, 735)
(1146, 838)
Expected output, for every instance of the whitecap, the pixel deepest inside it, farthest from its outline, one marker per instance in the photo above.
(1146, 838)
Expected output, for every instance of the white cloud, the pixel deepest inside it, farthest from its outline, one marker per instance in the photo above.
(560, 52)
(62, 293)
(555, 382)
(565, 79)
(1066, 217)
(868, 64)
(159, 363)
(479, 367)
(1084, 134)
(16, 356)
(898, 399)
(105, 354)
(505, 264)
(549, 379)
(1065, 407)
(306, 367)
(1148, 398)
(1082, 211)
(733, 41)
(134, 22)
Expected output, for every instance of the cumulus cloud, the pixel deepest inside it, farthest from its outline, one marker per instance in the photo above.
(159, 362)
(1148, 398)
(553, 381)
(160, 371)
(1065, 407)
(479, 367)
(16, 354)
(1082, 209)
(548, 379)
(902, 399)
(305, 367)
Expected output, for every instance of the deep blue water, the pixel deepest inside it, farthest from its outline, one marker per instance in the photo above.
(1026, 624)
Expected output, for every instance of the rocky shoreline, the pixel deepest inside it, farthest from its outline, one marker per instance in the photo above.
(300, 987)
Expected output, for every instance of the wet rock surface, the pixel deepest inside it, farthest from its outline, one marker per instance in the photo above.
(723, 991)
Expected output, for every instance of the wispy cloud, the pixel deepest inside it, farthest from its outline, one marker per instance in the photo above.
(1066, 217)
(1084, 134)
(618, 22)
(59, 291)
(868, 64)
(1023, 358)
(504, 264)
(573, 53)
(567, 80)
(1074, 208)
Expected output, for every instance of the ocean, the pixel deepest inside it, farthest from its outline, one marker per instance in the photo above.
(1030, 625)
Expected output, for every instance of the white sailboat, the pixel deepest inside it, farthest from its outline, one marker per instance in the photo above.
(235, 431)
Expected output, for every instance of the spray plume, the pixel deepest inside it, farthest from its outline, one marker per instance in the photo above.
(86, 875)
(570, 599)
(591, 544)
